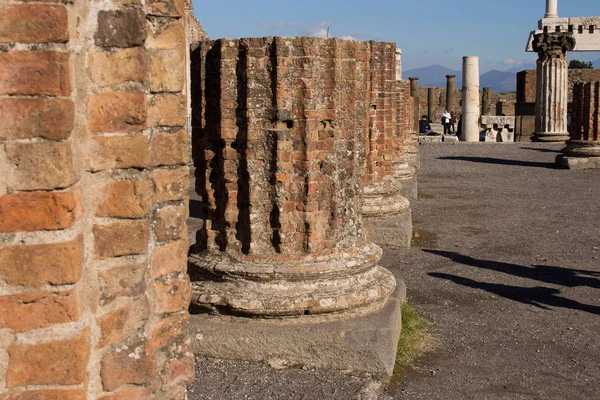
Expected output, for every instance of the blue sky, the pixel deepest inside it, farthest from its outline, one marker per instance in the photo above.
(428, 31)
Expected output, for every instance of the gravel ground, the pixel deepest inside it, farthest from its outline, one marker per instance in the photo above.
(507, 267)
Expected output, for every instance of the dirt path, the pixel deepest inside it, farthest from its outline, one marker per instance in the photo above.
(508, 269)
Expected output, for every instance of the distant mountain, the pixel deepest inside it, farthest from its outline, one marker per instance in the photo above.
(435, 75)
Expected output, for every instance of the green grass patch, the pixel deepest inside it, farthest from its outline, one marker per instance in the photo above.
(416, 338)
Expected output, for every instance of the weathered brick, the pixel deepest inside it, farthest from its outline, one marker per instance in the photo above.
(171, 331)
(48, 394)
(121, 28)
(123, 323)
(172, 295)
(169, 258)
(177, 372)
(130, 393)
(30, 118)
(170, 223)
(119, 67)
(35, 72)
(133, 366)
(41, 165)
(166, 74)
(125, 281)
(54, 363)
(169, 148)
(33, 23)
(28, 212)
(170, 184)
(22, 312)
(125, 199)
(42, 264)
(117, 112)
(165, 34)
(167, 110)
(120, 239)
(167, 8)
(118, 152)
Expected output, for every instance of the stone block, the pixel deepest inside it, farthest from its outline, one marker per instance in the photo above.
(53, 363)
(120, 239)
(118, 152)
(130, 393)
(165, 72)
(48, 394)
(38, 72)
(171, 332)
(33, 23)
(577, 163)
(166, 8)
(42, 264)
(21, 312)
(165, 34)
(124, 281)
(117, 112)
(36, 211)
(121, 28)
(167, 110)
(41, 165)
(125, 199)
(117, 68)
(170, 223)
(133, 366)
(361, 344)
(177, 371)
(170, 184)
(172, 295)
(169, 148)
(27, 118)
(168, 259)
(394, 232)
(126, 322)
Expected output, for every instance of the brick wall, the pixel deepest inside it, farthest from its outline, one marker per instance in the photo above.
(93, 153)
(526, 82)
(405, 110)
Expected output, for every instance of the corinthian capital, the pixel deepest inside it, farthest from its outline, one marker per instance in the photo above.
(553, 45)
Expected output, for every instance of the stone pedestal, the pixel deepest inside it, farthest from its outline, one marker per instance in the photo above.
(552, 86)
(450, 89)
(498, 129)
(279, 166)
(583, 150)
(470, 107)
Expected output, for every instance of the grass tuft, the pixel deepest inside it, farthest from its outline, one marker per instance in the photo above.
(416, 338)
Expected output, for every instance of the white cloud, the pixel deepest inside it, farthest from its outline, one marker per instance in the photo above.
(511, 62)
(319, 30)
(348, 37)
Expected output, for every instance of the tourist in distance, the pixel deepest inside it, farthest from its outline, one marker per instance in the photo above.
(452, 122)
(424, 126)
(446, 122)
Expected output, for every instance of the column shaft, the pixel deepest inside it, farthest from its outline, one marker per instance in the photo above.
(551, 9)
(470, 107)
(430, 105)
(450, 89)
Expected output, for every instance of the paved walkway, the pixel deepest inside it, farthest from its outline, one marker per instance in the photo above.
(508, 268)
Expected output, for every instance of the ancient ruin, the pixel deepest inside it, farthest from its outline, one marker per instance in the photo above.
(498, 128)
(470, 101)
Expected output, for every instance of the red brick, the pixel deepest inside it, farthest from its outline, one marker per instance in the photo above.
(134, 366)
(169, 148)
(33, 23)
(169, 258)
(167, 72)
(177, 372)
(116, 68)
(166, 8)
(31, 118)
(120, 239)
(118, 152)
(123, 323)
(167, 110)
(35, 72)
(131, 393)
(125, 281)
(54, 363)
(41, 165)
(125, 199)
(171, 331)
(165, 34)
(172, 295)
(170, 184)
(39, 265)
(22, 312)
(170, 223)
(121, 28)
(117, 112)
(47, 394)
(28, 212)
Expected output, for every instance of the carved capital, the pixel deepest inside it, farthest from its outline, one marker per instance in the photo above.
(553, 45)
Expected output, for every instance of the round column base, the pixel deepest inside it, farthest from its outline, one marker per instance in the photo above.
(580, 154)
(550, 137)
(384, 199)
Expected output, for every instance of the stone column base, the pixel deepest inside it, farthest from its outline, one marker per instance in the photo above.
(576, 163)
(580, 154)
(361, 343)
(384, 200)
(393, 232)
(551, 137)
(407, 176)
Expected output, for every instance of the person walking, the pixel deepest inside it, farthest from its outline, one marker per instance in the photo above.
(446, 122)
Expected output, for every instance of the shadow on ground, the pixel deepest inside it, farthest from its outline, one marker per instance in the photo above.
(500, 161)
(539, 296)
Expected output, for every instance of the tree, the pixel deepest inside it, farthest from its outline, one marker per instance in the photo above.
(580, 64)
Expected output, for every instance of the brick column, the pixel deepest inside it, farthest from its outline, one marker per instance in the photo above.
(450, 92)
(486, 102)
(280, 158)
(583, 149)
(93, 207)
(552, 86)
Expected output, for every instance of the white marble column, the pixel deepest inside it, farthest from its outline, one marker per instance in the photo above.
(551, 9)
(552, 86)
(470, 100)
(398, 64)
